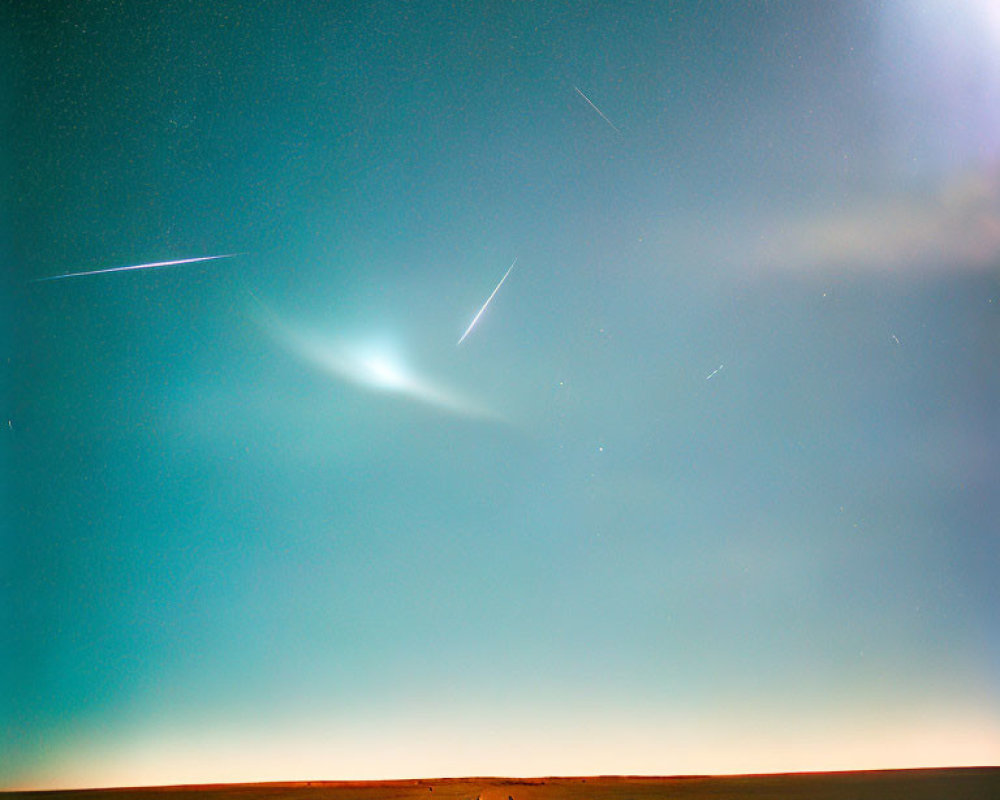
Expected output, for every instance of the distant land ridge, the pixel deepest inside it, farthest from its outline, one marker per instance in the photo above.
(955, 783)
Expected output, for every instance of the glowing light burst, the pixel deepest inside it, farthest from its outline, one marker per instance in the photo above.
(358, 364)
(386, 374)
(369, 365)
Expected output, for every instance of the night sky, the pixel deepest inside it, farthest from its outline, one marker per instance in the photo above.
(712, 485)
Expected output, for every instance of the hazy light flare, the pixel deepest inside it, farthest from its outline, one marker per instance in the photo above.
(365, 364)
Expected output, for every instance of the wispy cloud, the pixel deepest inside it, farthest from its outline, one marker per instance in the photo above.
(955, 226)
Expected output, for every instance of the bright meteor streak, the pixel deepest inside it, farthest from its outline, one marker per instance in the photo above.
(591, 104)
(475, 319)
(151, 265)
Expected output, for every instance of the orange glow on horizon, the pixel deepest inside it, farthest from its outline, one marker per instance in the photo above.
(478, 749)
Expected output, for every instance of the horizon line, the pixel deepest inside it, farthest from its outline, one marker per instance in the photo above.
(506, 779)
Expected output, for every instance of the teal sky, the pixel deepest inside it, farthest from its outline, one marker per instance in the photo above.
(712, 484)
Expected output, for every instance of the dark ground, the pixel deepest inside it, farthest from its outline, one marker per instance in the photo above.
(981, 783)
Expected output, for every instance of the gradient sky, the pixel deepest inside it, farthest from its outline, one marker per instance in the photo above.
(713, 485)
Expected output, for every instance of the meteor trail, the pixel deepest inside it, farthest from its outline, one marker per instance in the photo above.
(591, 104)
(475, 319)
(151, 265)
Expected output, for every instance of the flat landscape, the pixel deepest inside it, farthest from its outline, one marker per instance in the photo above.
(980, 783)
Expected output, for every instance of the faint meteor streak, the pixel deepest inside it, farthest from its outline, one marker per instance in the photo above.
(475, 319)
(591, 104)
(151, 265)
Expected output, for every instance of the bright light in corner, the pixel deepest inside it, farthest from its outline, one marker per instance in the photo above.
(966, 30)
(987, 13)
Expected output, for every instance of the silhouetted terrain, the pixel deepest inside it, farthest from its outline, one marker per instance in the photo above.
(981, 783)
